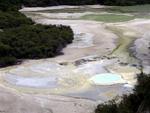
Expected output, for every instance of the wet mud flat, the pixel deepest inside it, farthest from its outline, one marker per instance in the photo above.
(89, 80)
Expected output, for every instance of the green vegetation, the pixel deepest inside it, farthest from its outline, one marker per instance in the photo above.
(34, 3)
(123, 2)
(83, 2)
(108, 17)
(34, 41)
(10, 5)
(13, 19)
(138, 102)
(21, 39)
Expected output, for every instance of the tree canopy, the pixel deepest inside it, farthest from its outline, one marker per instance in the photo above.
(13, 19)
(82, 2)
(21, 38)
(5, 4)
(33, 41)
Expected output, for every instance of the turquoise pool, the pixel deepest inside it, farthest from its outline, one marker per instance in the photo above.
(106, 79)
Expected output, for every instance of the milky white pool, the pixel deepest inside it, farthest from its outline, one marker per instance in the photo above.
(106, 79)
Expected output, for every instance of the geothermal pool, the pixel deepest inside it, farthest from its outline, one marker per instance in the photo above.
(34, 82)
(106, 79)
(53, 81)
(100, 87)
(89, 80)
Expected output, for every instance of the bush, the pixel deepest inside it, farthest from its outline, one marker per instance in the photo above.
(138, 102)
(7, 60)
(11, 5)
(34, 41)
(21, 39)
(35, 3)
(110, 107)
(13, 19)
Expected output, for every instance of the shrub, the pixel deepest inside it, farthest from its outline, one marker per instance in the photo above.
(138, 102)
(13, 19)
(34, 41)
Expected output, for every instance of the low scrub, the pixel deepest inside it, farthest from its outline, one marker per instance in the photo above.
(32, 42)
(138, 102)
(13, 19)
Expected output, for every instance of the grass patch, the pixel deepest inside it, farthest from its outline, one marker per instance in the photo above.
(107, 17)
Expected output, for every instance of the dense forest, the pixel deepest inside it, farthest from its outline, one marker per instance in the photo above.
(21, 38)
(138, 102)
(5, 4)
(13, 19)
(33, 41)
(77, 2)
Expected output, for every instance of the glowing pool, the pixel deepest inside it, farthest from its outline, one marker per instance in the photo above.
(106, 79)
